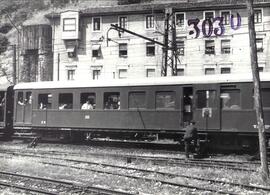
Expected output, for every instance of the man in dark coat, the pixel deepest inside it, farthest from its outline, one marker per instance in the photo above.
(190, 134)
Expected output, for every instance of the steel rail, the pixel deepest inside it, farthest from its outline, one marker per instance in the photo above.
(166, 174)
(12, 185)
(171, 161)
(69, 184)
(155, 172)
(132, 176)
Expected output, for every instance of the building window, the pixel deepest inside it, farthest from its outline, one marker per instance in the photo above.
(180, 72)
(261, 69)
(123, 52)
(96, 74)
(209, 15)
(71, 74)
(150, 22)
(150, 72)
(97, 24)
(259, 43)
(112, 100)
(165, 100)
(45, 101)
(230, 98)
(257, 16)
(136, 100)
(225, 70)
(208, 71)
(226, 15)
(180, 20)
(88, 101)
(209, 47)
(65, 101)
(206, 98)
(225, 46)
(123, 22)
(180, 45)
(122, 73)
(96, 51)
(150, 49)
(69, 24)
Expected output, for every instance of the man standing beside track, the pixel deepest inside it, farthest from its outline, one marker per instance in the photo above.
(190, 134)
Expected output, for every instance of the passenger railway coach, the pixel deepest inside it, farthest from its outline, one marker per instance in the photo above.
(222, 106)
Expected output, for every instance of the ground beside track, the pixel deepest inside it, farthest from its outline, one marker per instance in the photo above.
(32, 166)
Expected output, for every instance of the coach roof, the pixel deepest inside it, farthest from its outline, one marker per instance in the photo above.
(221, 78)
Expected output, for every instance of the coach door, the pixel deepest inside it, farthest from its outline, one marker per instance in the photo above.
(207, 106)
(24, 107)
(28, 107)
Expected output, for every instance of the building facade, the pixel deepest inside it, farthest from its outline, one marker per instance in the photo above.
(203, 37)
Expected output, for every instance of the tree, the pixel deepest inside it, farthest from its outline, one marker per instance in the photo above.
(257, 91)
(3, 44)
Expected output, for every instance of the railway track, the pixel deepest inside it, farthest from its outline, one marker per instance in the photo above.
(143, 178)
(175, 161)
(157, 173)
(63, 185)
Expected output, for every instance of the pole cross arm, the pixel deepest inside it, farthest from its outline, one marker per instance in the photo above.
(120, 29)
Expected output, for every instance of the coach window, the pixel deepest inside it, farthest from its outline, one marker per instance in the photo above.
(265, 98)
(206, 98)
(112, 100)
(28, 98)
(88, 101)
(230, 99)
(165, 100)
(44, 101)
(20, 99)
(136, 100)
(65, 101)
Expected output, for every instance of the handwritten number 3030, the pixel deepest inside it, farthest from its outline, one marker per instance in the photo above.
(218, 31)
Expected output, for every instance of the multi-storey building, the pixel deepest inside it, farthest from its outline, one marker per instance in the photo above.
(86, 48)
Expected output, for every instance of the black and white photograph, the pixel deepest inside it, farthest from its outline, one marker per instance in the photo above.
(134, 97)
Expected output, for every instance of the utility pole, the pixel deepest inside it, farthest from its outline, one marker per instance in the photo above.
(14, 72)
(17, 69)
(170, 56)
(257, 91)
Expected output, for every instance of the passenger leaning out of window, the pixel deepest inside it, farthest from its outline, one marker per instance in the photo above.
(87, 105)
(20, 101)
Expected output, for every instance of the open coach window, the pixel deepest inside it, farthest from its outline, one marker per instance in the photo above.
(28, 98)
(136, 100)
(44, 101)
(112, 100)
(165, 100)
(20, 99)
(88, 101)
(206, 98)
(65, 101)
(230, 99)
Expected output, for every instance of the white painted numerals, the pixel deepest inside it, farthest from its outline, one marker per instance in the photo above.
(43, 122)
